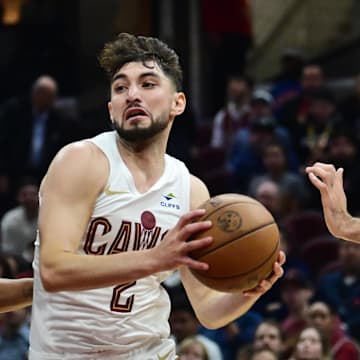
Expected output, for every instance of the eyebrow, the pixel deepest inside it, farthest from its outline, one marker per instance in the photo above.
(143, 75)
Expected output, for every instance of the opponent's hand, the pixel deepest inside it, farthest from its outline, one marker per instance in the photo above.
(173, 251)
(267, 283)
(329, 181)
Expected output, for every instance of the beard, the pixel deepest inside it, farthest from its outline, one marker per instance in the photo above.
(138, 134)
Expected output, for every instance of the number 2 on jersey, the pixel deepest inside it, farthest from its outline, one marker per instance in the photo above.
(120, 304)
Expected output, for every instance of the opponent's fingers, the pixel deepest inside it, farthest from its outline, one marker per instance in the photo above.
(339, 176)
(324, 166)
(316, 181)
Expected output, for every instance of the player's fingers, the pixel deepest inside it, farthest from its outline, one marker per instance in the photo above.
(263, 286)
(190, 230)
(277, 272)
(281, 258)
(195, 264)
(198, 244)
(190, 217)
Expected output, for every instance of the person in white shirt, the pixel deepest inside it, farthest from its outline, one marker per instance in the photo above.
(19, 225)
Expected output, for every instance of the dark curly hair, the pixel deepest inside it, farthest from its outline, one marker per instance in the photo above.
(128, 48)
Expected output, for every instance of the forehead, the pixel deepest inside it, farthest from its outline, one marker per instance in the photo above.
(319, 307)
(267, 329)
(310, 333)
(138, 68)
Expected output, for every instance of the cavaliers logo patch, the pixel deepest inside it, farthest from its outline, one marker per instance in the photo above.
(229, 221)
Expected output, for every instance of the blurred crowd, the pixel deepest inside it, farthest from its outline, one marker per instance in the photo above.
(258, 143)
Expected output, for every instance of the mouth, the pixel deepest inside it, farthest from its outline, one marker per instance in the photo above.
(134, 112)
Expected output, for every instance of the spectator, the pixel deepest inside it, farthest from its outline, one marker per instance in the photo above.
(311, 345)
(192, 349)
(311, 136)
(237, 334)
(326, 320)
(276, 168)
(296, 293)
(19, 225)
(296, 109)
(271, 305)
(264, 354)
(267, 192)
(184, 324)
(14, 338)
(287, 84)
(261, 104)
(268, 336)
(340, 288)
(32, 131)
(235, 113)
(245, 156)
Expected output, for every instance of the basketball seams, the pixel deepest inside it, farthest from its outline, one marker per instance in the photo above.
(239, 222)
(228, 204)
(204, 253)
(244, 273)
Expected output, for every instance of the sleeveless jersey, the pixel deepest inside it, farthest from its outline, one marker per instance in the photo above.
(114, 322)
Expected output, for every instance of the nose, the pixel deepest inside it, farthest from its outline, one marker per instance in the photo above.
(133, 94)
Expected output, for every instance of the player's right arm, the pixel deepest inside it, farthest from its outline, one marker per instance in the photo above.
(77, 175)
(329, 182)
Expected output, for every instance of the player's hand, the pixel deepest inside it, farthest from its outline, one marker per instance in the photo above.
(174, 249)
(267, 283)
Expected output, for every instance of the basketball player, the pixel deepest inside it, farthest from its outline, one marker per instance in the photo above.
(15, 293)
(329, 181)
(115, 216)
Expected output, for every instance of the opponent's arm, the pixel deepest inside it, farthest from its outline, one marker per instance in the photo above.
(77, 175)
(216, 309)
(329, 181)
(15, 293)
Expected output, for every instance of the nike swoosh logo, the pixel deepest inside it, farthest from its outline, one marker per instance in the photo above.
(109, 192)
(164, 357)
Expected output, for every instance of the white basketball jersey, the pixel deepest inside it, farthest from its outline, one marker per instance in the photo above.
(114, 322)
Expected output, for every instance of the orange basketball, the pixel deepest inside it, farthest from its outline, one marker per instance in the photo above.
(245, 247)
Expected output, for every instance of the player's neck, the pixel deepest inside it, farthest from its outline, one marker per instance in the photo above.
(146, 164)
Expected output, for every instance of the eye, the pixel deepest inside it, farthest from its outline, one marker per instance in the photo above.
(120, 88)
(148, 84)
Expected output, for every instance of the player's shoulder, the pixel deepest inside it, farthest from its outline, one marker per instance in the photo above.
(199, 192)
(80, 161)
(81, 148)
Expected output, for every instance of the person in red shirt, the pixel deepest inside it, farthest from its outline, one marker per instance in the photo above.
(325, 318)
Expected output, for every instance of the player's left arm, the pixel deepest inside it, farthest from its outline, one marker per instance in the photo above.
(216, 309)
(15, 293)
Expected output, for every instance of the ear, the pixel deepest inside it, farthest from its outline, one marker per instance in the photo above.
(109, 104)
(178, 105)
